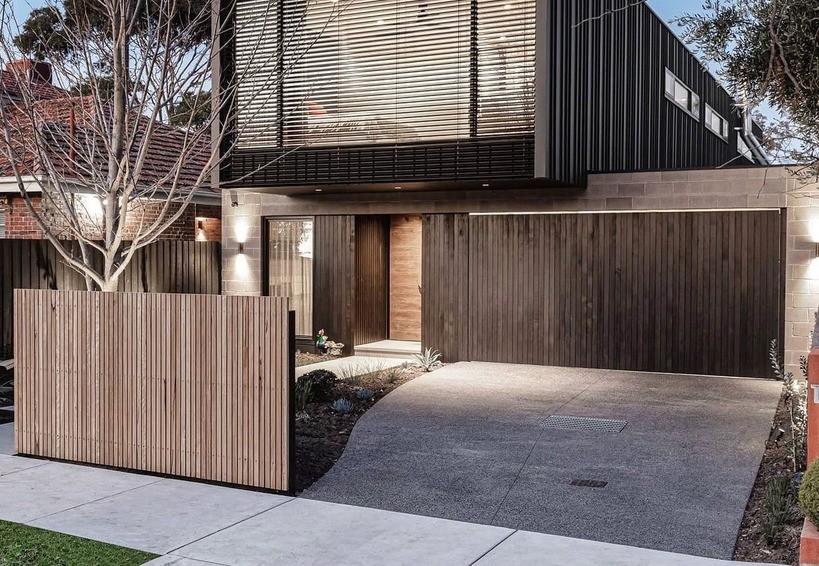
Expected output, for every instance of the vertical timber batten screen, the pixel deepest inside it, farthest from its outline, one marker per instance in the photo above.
(195, 386)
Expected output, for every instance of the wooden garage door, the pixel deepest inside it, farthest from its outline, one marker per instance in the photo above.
(691, 292)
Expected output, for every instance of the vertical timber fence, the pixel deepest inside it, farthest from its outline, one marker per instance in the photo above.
(167, 266)
(196, 386)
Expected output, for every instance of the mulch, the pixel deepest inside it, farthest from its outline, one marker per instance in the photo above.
(322, 434)
(307, 358)
(751, 545)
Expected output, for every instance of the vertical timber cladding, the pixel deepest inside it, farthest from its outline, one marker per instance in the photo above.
(198, 386)
(405, 277)
(687, 292)
(371, 264)
(334, 305)
(445, 285)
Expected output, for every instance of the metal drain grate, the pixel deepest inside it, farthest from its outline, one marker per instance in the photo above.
(589, 483)
(584, 423)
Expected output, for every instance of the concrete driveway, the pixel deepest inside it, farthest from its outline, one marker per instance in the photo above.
(470, 442)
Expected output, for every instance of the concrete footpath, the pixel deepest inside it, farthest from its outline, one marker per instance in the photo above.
(192, 524)
(352, 365)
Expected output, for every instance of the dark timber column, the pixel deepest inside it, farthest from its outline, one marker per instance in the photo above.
(445, 288)
(334, 278)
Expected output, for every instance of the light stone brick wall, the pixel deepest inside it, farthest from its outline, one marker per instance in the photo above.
(711, 189)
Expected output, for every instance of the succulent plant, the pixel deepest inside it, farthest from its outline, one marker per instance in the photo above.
(342, 405)
(364, 394)
(428, 360)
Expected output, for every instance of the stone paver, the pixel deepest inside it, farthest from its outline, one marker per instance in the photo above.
(550, 550)
(230, 527)
(161, 516)
(39, 491)
(467, 443)
(310, 532)
(7, 438)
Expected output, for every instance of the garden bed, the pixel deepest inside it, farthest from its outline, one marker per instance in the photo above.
(322, 433)
(307, 358)
(753, 545)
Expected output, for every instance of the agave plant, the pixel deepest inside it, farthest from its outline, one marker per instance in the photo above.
(342, 405)
(428, 360)
(365, 394)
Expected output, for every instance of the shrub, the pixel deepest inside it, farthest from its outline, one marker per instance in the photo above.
(809, 493)
(303, 393)
(342, 406)
(779, 507)
(391, 375)
(364, 394)
(321, 384)
(428, 360)
(796, 398)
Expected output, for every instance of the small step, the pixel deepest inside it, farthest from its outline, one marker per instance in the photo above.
(401, 349)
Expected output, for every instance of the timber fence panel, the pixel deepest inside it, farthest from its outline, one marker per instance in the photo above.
(144, 381)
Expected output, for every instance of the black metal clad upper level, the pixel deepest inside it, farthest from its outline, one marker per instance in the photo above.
(606, 111)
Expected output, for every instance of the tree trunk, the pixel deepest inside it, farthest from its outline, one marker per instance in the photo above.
(110, 285)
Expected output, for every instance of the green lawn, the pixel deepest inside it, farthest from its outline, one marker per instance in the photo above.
(21, 545)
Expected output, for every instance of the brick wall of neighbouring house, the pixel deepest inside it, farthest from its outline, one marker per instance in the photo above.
(739, 188)
(198, 222)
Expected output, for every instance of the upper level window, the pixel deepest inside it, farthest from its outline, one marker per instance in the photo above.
(681, 95)
(343, 72)
(743, 149)
(716, 123)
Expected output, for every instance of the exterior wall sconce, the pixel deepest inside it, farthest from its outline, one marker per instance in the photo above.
(241, 247)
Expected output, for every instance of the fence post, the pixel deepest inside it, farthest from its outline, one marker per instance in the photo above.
(809, 542)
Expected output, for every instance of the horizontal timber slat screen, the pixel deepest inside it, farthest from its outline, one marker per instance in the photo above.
(166, 266)
(196, 386)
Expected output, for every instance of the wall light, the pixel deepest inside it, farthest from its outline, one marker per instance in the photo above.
(241, 230)
(200, 229)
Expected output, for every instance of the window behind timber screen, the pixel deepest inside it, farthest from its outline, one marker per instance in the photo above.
(343, 72)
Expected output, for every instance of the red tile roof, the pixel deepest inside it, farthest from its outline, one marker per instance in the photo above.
(38, 89)
(68, 117)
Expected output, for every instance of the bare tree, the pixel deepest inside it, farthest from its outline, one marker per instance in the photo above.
(98, 146)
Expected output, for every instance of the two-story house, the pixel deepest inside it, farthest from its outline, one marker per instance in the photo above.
(537, 181)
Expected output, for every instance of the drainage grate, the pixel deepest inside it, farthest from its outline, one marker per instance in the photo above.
(589, 483)
(584, 423)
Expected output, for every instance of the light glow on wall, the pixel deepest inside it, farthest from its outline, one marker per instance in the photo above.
(813, 269)
(241, 267)
(92, 205)
(241, 230)
(813, 230)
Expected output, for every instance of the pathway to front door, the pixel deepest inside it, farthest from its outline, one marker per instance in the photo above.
(653, 460)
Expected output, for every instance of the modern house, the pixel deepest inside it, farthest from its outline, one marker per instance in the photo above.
(535, 181)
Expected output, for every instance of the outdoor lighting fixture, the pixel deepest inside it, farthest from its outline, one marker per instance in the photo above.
(242, 229)
(398, 188)
(200, 229)
(318, 190)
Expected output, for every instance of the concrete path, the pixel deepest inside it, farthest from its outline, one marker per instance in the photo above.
(194, 524)
(352, 365)
(7, 438)
(469, 442)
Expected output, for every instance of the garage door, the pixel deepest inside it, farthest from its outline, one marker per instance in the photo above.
(691, 292)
